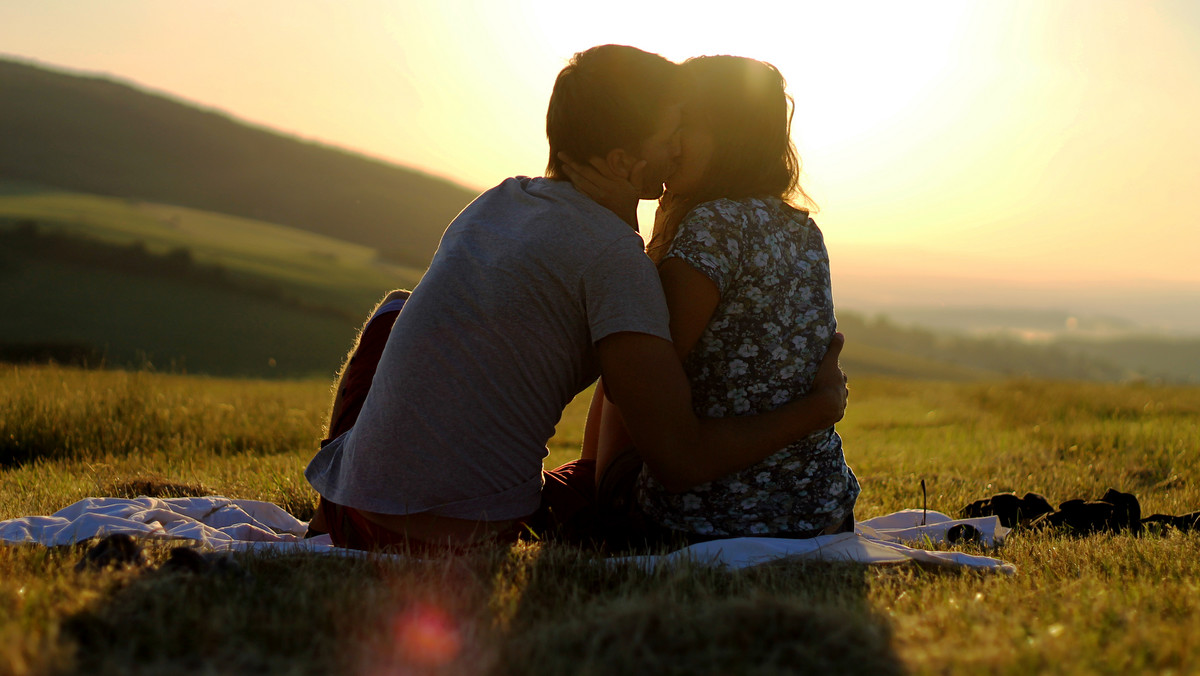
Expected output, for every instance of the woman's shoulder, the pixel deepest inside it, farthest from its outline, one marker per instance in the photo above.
(729, 206)
(753, 208)
(753, 212)
(727, 215)
(721, 209)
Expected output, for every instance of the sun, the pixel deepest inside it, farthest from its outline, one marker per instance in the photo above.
(869, 80)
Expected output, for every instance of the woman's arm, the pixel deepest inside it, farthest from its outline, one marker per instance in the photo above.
(691, 299)
(591, 428)
(358, 369)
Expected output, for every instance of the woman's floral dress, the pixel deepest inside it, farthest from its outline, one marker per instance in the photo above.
(761, 349)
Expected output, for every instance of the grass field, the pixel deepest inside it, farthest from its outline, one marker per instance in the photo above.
(1101, 604)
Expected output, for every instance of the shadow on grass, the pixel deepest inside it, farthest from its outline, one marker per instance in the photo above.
(527, 610)
(577, 615)
(270, 615)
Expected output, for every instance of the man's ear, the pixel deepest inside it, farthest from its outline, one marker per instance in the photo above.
(620, 162)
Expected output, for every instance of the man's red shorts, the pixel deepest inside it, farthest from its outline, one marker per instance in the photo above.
(568, 490)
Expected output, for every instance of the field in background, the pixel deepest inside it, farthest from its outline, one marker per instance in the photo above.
(1101, 604)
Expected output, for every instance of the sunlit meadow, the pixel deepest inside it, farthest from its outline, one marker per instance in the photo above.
(1100, 604)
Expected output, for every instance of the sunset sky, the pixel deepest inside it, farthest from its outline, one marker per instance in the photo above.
(1036, 146)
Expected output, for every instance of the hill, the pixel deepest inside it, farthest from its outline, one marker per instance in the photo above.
(94, 135)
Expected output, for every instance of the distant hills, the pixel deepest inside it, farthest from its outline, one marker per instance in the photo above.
(94, 135)
(1027, 323)
(100, 280)
(878, 345)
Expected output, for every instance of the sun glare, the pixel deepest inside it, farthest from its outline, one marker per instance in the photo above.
(855, 74)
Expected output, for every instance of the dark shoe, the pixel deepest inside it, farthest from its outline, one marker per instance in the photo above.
(1011, 510)
(1127, 511)
(1185, 522)
(1080, 517)
(117, 550)
(186, 560)
(963, 532)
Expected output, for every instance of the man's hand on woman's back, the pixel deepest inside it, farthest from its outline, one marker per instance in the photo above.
(644, 378)
(830, 386)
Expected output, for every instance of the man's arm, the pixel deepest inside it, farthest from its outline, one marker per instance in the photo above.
(643, 376)
(691, 299)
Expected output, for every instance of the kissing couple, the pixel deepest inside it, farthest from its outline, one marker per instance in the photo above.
(715, 344)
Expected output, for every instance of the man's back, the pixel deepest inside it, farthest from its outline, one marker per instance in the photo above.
(495, 341)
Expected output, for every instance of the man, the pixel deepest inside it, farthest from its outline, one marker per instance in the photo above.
(534, 291)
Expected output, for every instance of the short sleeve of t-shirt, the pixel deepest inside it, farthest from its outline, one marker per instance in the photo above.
(622, 292)
(709, 239)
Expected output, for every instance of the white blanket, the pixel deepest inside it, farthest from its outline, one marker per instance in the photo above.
(877, 540)
(213, 522)
(222, 524)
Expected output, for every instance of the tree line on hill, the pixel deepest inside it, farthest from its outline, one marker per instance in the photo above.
(1147, 358)
(28, 239)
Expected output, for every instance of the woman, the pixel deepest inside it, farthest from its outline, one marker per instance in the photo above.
(746, 277)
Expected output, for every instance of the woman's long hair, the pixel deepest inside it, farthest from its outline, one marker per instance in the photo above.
(746, 105)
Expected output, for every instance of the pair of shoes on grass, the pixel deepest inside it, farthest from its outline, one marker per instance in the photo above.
(1114, 512)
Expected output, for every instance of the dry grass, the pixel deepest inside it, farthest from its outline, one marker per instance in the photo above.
(1102, 604)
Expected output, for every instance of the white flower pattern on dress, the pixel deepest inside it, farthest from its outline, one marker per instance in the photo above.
(761, 349)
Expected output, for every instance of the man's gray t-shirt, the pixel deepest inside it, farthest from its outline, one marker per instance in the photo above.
(496, 340)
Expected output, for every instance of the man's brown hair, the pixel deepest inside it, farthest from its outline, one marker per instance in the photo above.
(607, 97)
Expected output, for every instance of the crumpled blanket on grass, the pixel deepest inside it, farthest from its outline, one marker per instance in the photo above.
(214, 522)
(874, 541)
(223, 524)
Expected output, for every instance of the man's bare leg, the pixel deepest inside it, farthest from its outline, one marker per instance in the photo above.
(356, 361)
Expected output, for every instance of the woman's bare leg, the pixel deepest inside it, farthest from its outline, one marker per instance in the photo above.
(604, 437)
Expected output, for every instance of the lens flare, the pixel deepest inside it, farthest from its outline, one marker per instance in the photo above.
(426, 635)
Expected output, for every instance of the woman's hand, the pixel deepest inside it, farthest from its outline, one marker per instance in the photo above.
(830, 385)
(618, 194)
